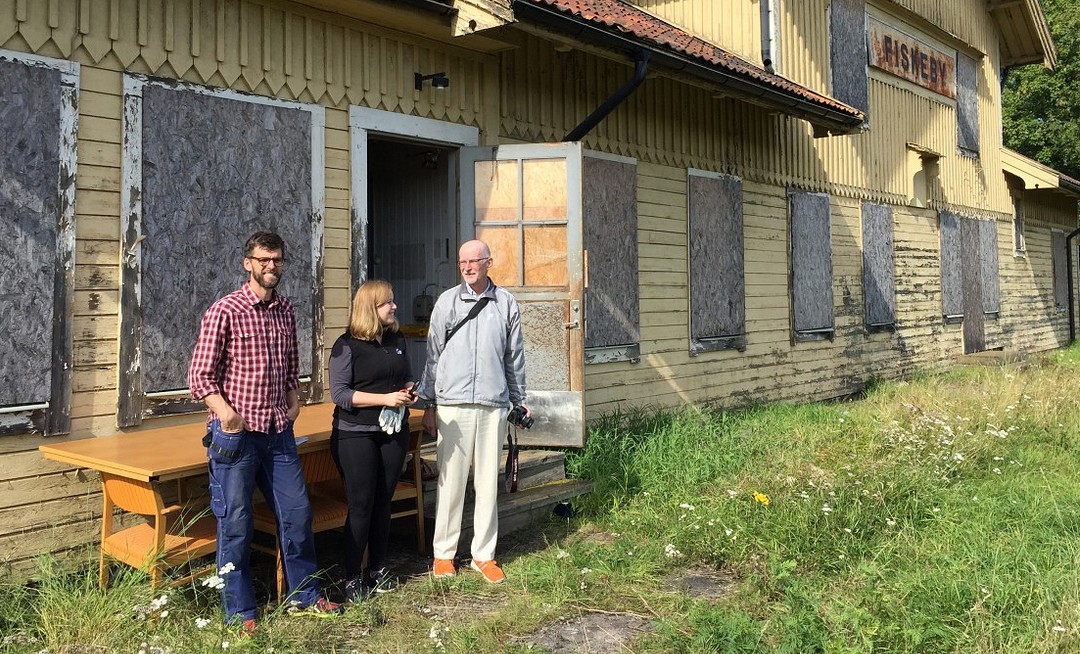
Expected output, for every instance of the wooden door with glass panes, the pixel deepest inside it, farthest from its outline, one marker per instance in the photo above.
(524, 201)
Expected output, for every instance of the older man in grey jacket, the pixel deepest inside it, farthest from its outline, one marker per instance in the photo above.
(475, 372)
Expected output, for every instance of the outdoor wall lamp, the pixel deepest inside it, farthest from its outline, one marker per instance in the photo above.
(438, 80)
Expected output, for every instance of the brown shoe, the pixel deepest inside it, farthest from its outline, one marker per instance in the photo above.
(491, 571)
(443, 568)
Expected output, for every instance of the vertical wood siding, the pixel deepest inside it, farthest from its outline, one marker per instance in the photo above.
(269, 48)
(534, 94)
(734, 25)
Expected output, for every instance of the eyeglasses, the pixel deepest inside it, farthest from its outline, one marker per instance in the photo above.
(472, 262)
(264, 261)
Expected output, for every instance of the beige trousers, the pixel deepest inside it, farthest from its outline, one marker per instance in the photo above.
(469, 435)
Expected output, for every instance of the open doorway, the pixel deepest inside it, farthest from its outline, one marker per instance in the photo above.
(404, 215)
(412, 230)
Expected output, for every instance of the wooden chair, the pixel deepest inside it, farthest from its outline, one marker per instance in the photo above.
(410, 486)
(328, 511)
(166, 540)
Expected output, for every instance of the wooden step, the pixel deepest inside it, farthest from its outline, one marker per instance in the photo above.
(535, 468)
(519, 510)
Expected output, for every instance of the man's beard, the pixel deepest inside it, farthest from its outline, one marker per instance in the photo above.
(261, 280)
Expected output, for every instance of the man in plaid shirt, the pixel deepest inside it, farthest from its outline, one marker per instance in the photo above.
(246, 369)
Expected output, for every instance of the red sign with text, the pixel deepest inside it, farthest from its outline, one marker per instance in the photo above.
(909, 58)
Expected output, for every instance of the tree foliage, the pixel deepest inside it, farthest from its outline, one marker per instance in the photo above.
(1041, 108)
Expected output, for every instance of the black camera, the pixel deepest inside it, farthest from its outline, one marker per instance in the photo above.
(518, 417)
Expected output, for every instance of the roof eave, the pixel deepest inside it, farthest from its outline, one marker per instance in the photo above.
(822, 117)
(1037, 32)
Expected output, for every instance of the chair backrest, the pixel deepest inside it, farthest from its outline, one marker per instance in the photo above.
(318, 467)
(132, 495)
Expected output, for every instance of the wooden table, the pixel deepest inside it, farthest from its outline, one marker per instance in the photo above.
(135, 466)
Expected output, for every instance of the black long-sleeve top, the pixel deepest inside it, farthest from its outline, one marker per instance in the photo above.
(366, 366)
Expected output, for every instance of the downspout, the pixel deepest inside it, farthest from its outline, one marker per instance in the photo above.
(1069, 272)
(609, 105)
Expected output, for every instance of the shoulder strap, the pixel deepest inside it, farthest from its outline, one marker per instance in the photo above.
(472, 314)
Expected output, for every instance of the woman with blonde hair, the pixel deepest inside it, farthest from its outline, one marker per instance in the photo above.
(371, 386)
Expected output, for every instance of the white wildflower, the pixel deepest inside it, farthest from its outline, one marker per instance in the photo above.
(671, 552)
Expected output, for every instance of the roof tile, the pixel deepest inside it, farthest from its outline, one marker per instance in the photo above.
(619, 16)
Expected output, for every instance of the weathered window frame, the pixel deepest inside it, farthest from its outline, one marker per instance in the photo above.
(133, 403)
(53, 417)
(879, 273)
(1059, 268)
(718, 222)
(1019, 237)
(809, 287)
(616, 259)
(849, 54)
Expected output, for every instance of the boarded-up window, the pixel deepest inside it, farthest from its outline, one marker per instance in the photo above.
(952, 289)
(211, 169)
(848, 56)
(811, 264)
(609, 225)
(988, 264)
(38, 119)
(879, 283)
(967, 104)
(1061, 274)
(717, 288)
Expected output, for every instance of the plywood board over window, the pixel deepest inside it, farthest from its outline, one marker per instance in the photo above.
(39, 123)
(847, 53)
(811, 266)
(988, 264)
(717, 282)
(879, 282)
(610, 237)
(203, 170)
(967, 104)
(952, 290)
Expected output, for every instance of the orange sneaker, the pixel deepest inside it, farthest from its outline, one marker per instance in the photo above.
(491, 571)
(443, 568)
(248, 628)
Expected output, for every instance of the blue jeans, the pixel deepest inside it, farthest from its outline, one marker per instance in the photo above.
(237, 463)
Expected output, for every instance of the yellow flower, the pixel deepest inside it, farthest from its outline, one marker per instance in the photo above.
(761, 497)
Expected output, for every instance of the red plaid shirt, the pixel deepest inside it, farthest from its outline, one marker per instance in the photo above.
(247, 352)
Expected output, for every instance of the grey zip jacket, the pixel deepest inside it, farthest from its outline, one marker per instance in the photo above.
(484, 363)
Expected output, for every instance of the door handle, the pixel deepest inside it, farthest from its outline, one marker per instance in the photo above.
(572, 325)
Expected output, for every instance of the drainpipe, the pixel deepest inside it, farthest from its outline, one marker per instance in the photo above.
(609, 105)
(1069, 272)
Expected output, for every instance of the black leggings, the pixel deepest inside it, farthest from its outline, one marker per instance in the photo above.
(370, 464)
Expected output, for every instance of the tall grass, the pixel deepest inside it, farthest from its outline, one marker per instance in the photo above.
(940, 515)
